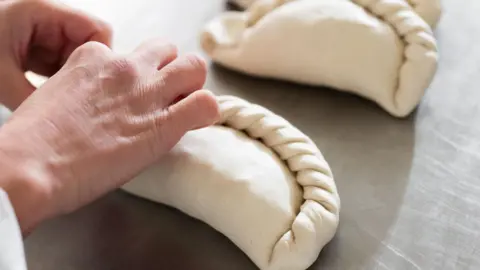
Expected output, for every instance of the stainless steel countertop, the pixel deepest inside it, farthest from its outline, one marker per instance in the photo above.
(410, 188)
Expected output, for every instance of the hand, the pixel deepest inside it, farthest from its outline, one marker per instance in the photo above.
(97, 123)
(39, 36)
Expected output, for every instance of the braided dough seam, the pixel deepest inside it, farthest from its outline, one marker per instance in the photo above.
(317, 221)
(428, 10)
(420, 55)
(420, 51)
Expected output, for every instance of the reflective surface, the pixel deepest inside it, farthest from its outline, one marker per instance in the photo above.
(410, 188)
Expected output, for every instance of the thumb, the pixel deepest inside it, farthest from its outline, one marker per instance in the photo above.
(17, 90)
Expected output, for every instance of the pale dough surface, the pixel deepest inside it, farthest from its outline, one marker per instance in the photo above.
(429, 10)
(256, 179)
(378, 49)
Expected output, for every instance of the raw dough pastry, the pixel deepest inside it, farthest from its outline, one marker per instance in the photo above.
(254, 178)
(429, 10)
(378, 49)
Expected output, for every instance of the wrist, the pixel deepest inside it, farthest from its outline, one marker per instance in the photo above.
(22, 179)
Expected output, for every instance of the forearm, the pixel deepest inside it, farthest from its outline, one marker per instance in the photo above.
(11, 96)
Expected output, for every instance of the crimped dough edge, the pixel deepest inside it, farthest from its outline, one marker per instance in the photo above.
(429, 10)
(420, 53)
(317, 222)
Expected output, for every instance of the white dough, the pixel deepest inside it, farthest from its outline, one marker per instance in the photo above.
(429, 10)
(254, 178)
(379, 49)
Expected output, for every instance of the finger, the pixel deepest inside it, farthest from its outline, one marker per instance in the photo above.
(180, 78)
(67, 51)
(18, 92)
(57, 24)
(156, 53)
(101, 33)
(198, 110)
(75, 27)
(80, 27)
(42, 61)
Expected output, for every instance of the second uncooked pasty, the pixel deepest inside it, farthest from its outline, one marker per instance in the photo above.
(429, 10)
(254, 178)
(379, 49)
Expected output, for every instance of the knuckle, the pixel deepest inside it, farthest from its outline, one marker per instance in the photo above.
(168, 131)
(88, 49)
(92, 46)
(125, 68)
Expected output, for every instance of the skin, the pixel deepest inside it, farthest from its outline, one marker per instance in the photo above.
(99, 120)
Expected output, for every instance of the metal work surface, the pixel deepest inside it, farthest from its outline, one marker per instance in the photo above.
(410, 188)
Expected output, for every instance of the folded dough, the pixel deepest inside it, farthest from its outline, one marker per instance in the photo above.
(379, 49)
(429, 10)
(254, 178)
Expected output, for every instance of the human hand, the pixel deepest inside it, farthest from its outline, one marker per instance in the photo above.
(97, 123)
(39, 36)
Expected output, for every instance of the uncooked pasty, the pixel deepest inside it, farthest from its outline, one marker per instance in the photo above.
(254, 178)
(379, 49)
(429, 10)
